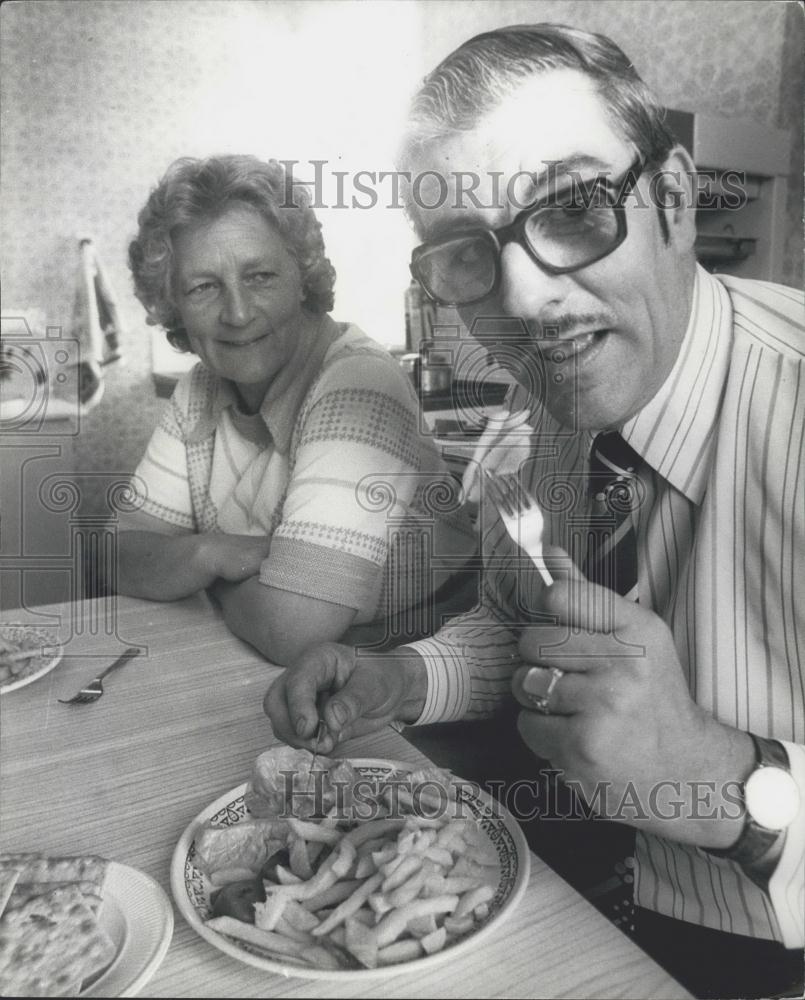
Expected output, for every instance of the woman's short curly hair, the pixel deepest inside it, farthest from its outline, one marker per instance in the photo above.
(195, 190)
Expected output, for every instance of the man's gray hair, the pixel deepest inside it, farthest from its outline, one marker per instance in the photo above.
(479, 75)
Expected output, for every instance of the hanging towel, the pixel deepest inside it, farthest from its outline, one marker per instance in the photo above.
(96, 325)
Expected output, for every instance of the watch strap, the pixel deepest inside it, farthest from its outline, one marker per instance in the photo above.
(756, 841)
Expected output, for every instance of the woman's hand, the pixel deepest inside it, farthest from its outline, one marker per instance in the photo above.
(162, 567)
(231, 557)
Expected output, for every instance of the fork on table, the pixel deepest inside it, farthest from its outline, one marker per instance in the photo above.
(521, 516)
(94, 689)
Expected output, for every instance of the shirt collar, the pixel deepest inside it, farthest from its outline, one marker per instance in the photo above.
(285, 395)
(675, 431)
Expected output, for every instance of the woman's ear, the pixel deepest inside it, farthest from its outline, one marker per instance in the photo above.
(673, 191)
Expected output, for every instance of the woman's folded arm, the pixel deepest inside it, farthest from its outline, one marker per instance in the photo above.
(167, 567)
(280, 624)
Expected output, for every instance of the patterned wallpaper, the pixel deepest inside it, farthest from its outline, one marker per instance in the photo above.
(99, 96)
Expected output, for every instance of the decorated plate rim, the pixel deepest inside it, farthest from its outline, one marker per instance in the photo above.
(180, 887)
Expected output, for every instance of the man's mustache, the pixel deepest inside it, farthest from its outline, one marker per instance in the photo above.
(510, 329)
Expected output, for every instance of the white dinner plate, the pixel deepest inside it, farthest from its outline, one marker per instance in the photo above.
(191, 888)
(137, 915)
(37, 666)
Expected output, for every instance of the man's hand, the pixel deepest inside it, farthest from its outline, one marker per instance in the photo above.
(352, 691)
(622, 716)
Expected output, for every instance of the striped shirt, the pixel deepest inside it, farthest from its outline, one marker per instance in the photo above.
(721, 544)
(336, 468)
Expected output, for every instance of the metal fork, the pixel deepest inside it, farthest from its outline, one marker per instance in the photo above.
(521, 516)
(94, 689)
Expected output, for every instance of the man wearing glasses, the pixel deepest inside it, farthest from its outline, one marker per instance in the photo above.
(662, 666)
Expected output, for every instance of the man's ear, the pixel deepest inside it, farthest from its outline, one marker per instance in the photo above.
(673, 191)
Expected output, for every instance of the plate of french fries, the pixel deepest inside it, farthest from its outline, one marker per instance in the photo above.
(27, 652)
(356, 869)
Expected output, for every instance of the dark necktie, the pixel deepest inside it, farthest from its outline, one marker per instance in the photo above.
(614, 489)
(611, 561)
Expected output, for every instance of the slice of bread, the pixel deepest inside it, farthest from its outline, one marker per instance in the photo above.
(50, 939)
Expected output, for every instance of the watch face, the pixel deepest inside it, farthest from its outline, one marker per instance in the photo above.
(772, 797)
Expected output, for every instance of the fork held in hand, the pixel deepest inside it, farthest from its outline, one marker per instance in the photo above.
(521, 517)
(94, 689)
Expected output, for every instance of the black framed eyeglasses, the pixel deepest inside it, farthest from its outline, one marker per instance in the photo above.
(563, 233)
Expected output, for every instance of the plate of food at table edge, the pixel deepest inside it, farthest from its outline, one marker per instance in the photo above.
(345, 869)
(27, 652)
(79, 926)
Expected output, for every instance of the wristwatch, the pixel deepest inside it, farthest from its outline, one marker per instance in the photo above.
(771, 802)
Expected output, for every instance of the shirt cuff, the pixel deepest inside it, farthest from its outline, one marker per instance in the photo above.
(448, 680)
(786, 886)
(323, 573)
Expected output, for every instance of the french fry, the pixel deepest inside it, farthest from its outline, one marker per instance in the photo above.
(471, 899)
(435, 886)
(422, 926)
(406, 840)
(226, 876)
(434, 941)
(322, 958)
(332, 896)
(459, 884)
(424, 841)
(484, 856)
(394, 923)
(287, 929)
(361, 941)
(450, 833)
(370, 846)
(298, 916)
(366, 916)
(400, 951)
(422, 803)
(284, 877)
(256, 936)
(468, 869)
(458, 925)
(384, 855)
(440, 855)
(267, 914)
(426, 822)
(299, 860)
(343, 858)
(410, 889)
(402, 872)
(478, 847)
(365, 867)
(308, 830)
(392, 864)
(350, 905)
(379, 903)
(374, 828)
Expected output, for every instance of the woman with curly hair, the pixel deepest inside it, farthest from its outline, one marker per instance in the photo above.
(289, 475)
